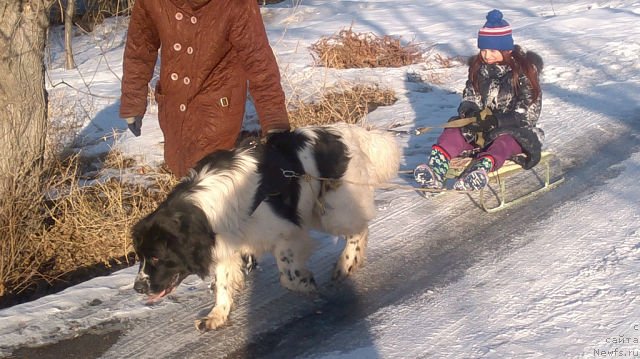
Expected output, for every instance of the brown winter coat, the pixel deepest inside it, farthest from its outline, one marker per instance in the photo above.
(209, 50)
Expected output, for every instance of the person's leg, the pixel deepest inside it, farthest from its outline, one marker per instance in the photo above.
(477, 176)
(500, 150)
(450, 144)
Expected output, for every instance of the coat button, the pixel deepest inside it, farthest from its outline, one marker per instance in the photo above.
(186, 80)
(179, 16)
(183, 107)
(189, 50)
(177, 46)
(194, 20)
(174, 76)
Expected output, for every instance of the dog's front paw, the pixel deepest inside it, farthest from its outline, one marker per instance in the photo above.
(298, 280)
(346, 265)
(352, 256)
(214, 320)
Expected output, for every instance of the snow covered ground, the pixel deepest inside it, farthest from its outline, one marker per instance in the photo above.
(560, 282)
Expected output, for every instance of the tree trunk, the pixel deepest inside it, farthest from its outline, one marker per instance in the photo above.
(69, 12)
(23, 98)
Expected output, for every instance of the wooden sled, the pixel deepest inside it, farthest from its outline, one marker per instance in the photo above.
(459, 164)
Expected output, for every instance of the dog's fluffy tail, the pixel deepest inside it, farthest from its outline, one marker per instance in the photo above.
(375, 154)
(374, 160)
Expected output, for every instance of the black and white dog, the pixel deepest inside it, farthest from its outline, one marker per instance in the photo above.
(265, 198)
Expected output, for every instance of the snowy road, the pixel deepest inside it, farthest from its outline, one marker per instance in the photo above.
(435, 253)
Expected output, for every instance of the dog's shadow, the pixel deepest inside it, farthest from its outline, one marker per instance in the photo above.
(278, 323)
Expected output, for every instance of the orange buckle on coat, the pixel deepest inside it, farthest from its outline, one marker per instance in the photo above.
(224, 102)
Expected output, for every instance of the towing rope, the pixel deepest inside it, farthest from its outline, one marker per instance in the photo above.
(335, 183)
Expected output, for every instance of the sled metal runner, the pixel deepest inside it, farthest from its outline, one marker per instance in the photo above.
(458, 165)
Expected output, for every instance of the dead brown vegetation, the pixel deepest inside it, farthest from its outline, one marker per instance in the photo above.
(53, 224)
(435, 69)
(349, 49)
(348, 105)
(443, 62)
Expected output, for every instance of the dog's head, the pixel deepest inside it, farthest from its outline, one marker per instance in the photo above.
(170, 246)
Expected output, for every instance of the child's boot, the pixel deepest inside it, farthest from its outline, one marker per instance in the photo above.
(432, 174)
(476, 177)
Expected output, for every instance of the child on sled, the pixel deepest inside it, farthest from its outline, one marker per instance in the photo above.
(503, 96)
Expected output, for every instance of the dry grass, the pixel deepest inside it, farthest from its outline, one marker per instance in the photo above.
(54, 224)
(70, 220)
(348, 49)
(442, 62)
(435, 69)
(348, 105)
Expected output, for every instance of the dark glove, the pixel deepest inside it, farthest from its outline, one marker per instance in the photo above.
(468, 109)
(483, 122)
(135, 125)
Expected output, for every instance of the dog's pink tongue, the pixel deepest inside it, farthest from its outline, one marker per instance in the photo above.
(154, 298)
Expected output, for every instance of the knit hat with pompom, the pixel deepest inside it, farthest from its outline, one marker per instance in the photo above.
(496, 33)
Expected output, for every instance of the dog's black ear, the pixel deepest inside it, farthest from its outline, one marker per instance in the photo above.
(173, 222)
(194, 240)
(168, 229)
(139, 231)
(154, 231)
